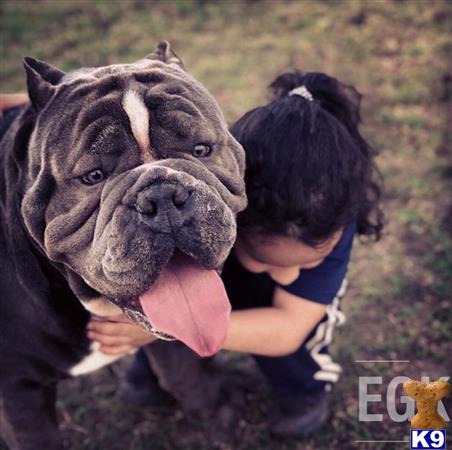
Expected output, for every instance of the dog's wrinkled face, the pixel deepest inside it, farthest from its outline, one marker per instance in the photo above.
(133, 175)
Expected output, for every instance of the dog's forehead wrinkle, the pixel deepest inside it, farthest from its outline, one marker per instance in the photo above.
(90, 73)
(109, 129)
(107, 141)
(85, 73)
(140, 67)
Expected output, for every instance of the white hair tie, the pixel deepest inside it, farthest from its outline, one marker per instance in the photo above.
(302, 92)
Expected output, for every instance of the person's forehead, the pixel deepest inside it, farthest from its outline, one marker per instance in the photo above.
(280, 248)
(281, 243)
(284, 251)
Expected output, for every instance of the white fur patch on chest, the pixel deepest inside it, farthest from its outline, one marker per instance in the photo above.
(95, 360)
(139, 121)
(101, 307)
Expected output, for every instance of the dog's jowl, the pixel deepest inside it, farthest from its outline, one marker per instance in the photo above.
(119, 188)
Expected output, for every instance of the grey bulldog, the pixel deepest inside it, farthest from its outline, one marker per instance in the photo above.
(119, 189)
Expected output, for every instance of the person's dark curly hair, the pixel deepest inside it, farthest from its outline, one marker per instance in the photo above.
(309, 170)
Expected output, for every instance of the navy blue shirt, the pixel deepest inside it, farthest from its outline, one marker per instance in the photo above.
(320, 284)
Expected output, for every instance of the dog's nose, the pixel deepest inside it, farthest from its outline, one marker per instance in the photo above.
(163, 205)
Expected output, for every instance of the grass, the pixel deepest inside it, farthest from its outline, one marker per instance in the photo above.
(396, 53)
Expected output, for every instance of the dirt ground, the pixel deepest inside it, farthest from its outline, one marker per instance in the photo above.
(398, 53)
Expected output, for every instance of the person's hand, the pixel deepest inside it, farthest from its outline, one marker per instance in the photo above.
(117, 335)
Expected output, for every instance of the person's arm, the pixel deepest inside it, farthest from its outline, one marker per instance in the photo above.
(274, 331)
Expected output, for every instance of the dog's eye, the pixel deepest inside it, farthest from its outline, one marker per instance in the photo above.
(93, 177)
(201, 150)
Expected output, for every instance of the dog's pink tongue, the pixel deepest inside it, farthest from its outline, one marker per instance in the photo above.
(189, 303)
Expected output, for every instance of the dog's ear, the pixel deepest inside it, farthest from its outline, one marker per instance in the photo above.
(163, 52)
(41, 81)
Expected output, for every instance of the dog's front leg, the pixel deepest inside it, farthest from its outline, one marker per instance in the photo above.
(203, 390)
(28, 417)
(191, 380)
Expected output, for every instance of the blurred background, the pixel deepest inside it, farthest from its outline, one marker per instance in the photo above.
(398, 54)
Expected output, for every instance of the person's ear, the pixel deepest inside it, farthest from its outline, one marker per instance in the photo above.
(42, 79)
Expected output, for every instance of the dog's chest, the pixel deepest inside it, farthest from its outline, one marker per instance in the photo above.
(96, 359)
